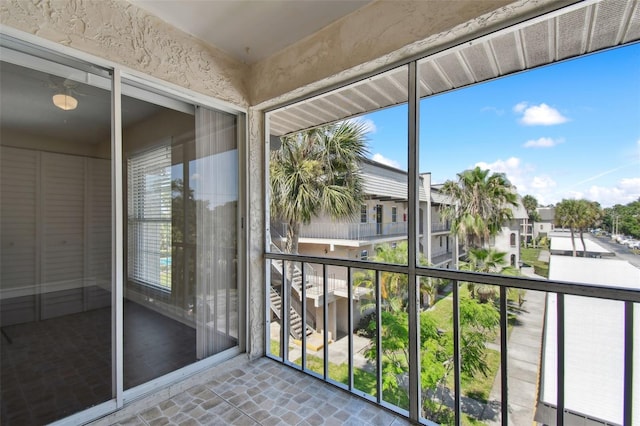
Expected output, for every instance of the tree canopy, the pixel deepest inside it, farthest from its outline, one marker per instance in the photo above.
(530, 204)
(317, 171)
(577, 215)
(488, 261)
(478, 326)
(481, 203)
(626, 217)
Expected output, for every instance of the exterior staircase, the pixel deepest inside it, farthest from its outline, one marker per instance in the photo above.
(296, 278)
(295, 320)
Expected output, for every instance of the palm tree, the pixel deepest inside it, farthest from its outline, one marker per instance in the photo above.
(530, 204)
(592, 216)
(317, 171)
(481, 203)
(488, 261)
(571, 213)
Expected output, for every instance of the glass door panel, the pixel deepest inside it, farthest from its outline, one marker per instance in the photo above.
(55, 275)
(180, 296)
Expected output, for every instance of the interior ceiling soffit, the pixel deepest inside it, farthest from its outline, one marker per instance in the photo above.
(580, 31)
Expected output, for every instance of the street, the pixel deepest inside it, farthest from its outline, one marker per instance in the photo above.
(621, 251)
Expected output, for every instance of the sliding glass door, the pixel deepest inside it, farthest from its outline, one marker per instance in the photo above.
(180, 292)
(56, 239)
(63, 295)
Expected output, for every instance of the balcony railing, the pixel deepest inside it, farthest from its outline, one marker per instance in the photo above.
(440, 227)
(352, 231)
(437, 258)
(361, 369)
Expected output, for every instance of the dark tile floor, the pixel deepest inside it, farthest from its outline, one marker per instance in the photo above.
(56, 367)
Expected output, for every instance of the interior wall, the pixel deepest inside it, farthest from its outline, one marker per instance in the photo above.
(20, 139)
(166, 123)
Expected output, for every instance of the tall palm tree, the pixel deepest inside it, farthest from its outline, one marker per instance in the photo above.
(571, 214)
(317, 171)
(481, 203)
(592, 216)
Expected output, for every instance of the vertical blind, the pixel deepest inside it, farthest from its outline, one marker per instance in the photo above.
(149, 213)
(216, 192)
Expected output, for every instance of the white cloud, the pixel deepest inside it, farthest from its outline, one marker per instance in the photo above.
(511, 167)
(539, 115)
(368, 124)
(541, 183)
(542, 143)
(379, 158)
(624, 192)
(520, 107)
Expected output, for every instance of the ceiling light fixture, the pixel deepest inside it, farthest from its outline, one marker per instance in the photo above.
(65, 102)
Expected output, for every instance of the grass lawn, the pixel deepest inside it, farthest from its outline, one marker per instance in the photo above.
(530, 257)
(275, 347)
(362, 380)
(477, 387)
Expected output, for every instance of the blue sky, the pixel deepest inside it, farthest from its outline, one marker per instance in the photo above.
(570, 130)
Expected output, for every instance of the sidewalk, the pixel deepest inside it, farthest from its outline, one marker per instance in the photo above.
(523, 361)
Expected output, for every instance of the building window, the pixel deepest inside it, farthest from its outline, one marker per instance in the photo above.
(440, 241)
(394, 214)
(363, 213)
(364, 255)
(541, 227)
(512, 239)
(149, 214)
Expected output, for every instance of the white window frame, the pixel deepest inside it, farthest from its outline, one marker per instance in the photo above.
(363, 213)
(149, 217)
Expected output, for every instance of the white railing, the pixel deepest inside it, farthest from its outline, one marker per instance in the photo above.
(352, 231)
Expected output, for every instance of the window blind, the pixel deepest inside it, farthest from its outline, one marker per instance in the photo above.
(149, 217)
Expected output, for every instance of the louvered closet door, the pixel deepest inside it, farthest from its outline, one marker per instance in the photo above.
(19, 266)
(63, 208)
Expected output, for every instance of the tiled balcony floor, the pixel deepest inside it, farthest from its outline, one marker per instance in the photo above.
(260, 392)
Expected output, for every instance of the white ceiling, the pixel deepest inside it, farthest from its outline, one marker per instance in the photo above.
(27, 107)
(250, 30)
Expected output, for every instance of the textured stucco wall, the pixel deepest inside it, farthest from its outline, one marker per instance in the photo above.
(256, 234)
(122, 33)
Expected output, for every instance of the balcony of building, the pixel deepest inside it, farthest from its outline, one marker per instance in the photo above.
(367, 233)
(440, 258)
(440, 227)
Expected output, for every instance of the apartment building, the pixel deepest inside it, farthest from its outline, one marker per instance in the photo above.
(382, 220)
